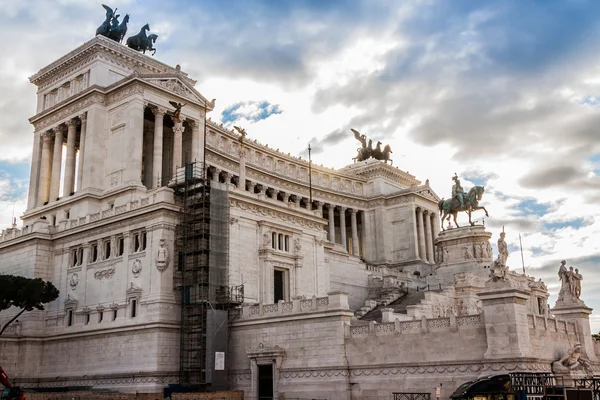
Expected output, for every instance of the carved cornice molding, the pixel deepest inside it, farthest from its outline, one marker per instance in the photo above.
(66, 113)
(276, 214)
(100, 44)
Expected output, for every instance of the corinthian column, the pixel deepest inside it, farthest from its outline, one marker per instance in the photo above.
(83, 119)
(195, 155)
(428, 237)
(354, 228)
(56, 163)
(331, 223)
(157, 150)
(69, 182)
(34, 177)
(343, 228)
(45, 167)
(177, 143)
(421, 234)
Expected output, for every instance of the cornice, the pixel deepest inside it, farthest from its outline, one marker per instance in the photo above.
(102, 44)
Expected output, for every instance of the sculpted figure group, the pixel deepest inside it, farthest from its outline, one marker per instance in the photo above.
(112, 29)
(367, 151)
(570, 282)
(499, 267)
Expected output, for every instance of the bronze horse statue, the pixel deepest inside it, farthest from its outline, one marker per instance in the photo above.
(141, 42)
(452, 207)
(117, 33)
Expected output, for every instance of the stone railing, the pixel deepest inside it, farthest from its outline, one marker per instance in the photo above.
(423, 325)
(549, 324)
(273, 162)
(42, 225)
(333, 301)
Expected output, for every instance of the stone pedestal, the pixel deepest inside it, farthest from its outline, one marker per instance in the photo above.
(505, 314)
(572, 309)
(464, 249)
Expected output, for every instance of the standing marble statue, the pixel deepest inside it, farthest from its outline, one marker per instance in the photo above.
(570, 288)
(502, 249)
(499, 267)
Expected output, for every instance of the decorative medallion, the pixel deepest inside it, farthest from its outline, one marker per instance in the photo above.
(136, 269)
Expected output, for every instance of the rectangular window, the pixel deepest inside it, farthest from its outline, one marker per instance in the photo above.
(74, 256)
(133, 308)
(287, 243)
(67, 215)
(120, 246)
(278, 285)
(274, 240)
(107, 250)
(87, 319)
(54, 220)
(70, 318)
(143, 240)
(80, 255)
(94, 252)
(281, 244)
(114, 315)
(136, 242)
(100, 316)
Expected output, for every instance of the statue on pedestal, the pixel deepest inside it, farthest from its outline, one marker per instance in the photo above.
(570, 288)
(461, 202)
(499, 267)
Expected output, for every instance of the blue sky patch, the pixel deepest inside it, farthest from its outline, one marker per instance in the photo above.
(17, 176)
(532, 207)
(574, 223)
(251, 110)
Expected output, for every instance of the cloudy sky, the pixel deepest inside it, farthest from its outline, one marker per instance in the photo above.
(504, 93)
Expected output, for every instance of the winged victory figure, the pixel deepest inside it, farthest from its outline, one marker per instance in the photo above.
(365, 151)
(104, 29)
(178, 107)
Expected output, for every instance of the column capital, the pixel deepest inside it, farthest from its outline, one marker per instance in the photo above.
(59, 129)
(419, 210)
(48, 135)
(354, 210)
(71, 123)
(193, 123)
(342, 208)
(158, 111)
(330, 206)
(318, 203)
(83, 117)
(426, 212)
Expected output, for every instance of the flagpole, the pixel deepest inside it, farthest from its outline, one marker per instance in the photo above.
(522, 259)
(310, 177)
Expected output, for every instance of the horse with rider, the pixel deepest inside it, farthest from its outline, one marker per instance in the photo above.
(461, 201)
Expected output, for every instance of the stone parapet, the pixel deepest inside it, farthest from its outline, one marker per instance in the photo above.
(423, 325)
(42, 225)
(334, 301)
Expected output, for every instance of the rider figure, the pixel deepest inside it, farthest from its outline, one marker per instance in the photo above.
(115, 22)
(458, 192)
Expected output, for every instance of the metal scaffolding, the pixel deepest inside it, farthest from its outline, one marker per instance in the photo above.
(206, 298)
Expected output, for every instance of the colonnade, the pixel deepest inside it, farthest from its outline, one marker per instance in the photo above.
(47, 162)
(428, 227)
(298, 201)
(178, 160)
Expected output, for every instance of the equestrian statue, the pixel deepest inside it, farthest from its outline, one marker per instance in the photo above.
(460, 201)
(141, 41)
(367, 151)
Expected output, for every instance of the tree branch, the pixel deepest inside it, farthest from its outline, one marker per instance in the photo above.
(11, 321)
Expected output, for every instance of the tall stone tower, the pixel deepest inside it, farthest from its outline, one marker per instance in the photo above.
(100, 221)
